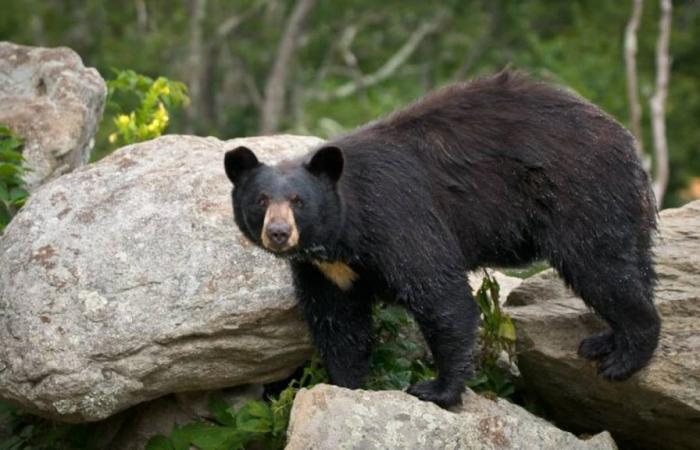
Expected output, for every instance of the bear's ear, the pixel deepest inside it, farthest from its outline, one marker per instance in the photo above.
(238, 161)
(327, 161)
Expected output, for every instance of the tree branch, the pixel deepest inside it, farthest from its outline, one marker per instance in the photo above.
(658, 102)
(345, 48)
(276, 86)
(390, 66)
(233, 22)
(635, 108)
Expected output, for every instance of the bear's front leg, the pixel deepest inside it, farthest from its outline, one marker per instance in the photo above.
(442, 304)
(340, 322)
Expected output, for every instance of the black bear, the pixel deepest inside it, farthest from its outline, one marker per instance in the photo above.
(498, 171)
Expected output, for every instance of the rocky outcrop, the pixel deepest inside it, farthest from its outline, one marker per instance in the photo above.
(127, 280)
(659, 407)
(327, 417)
(54, 103)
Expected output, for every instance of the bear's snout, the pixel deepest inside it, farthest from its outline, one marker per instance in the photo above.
(278, 233)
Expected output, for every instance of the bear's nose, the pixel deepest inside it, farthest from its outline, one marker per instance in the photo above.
(278, 232)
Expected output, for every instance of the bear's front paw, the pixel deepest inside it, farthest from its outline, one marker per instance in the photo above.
(436, 392)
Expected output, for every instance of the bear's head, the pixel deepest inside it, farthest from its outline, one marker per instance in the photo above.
(292, 208)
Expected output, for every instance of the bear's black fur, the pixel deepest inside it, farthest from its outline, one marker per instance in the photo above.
(499, 171)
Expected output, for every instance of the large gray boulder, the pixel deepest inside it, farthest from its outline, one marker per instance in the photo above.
(331, 418)
(659, 407)
(52, 101)
(128, 279)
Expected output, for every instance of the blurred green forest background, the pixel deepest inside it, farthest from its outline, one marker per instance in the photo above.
(355, 60)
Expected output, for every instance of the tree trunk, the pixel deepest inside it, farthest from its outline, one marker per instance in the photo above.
(276, 86)
(141, 15)
(658, 103)
(195, 62)
(635, 108)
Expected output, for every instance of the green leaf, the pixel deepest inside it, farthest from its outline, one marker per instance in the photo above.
(494, 289)
(506, 329)
(5, 216)
(221, 411)
(7, 170)
(480, 379)
(181, 437)
(17, 194)
(212, 437)
(159, 442)
(9, 155)
(254, 417)
(12, 143)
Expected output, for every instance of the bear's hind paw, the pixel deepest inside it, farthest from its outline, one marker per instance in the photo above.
(597, 346)
(617, 366)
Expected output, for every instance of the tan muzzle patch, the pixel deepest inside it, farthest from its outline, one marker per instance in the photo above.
(280, 212)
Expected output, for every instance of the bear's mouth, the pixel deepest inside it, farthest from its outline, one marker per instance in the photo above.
(285, 251)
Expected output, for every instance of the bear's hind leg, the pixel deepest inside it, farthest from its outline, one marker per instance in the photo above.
(616, 288)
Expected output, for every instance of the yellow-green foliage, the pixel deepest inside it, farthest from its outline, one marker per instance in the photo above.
(151, 116)
(12, 192)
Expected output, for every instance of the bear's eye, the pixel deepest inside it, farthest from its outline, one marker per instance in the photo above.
(263, 200)
(297, 201)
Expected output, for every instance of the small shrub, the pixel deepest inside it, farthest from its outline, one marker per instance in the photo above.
(12, 189)
(496, 355)
(150, 100)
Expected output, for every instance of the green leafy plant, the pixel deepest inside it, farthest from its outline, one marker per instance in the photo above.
(151, 100)
(12, 191)
(496, 354)
(497, 329)
(399, 357)
(255, 423)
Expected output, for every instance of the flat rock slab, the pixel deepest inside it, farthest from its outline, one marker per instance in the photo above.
(128, 279)
(657, 408)
(51, 100)
(331, 418)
